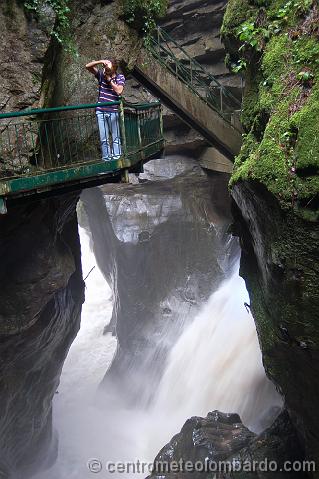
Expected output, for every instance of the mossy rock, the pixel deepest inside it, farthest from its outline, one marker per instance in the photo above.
(281, 100)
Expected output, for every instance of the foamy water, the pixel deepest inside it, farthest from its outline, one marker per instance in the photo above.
(74, 411)
(215, 364)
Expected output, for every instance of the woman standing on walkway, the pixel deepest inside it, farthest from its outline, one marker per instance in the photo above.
(111, 85)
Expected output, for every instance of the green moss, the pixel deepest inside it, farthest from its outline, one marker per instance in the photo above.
(307, 122)
(250, 101)
(236, 13)
(276, 59)
(306, 52)
(281, 102)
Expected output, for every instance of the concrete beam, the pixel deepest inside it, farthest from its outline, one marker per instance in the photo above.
(213, 160)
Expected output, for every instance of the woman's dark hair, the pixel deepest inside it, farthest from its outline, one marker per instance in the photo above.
(115, 64)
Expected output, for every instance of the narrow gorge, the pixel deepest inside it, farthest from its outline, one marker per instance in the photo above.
(166, 315)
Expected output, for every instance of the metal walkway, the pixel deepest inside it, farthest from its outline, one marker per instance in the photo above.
(195, 95)
(54, 148)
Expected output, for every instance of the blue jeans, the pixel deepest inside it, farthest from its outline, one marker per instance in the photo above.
(110, 136)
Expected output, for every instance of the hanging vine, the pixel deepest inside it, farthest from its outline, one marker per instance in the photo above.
(61, 31)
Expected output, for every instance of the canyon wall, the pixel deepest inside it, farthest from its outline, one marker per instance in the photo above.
(275, 190)
(274, 187)
(40, 306)
(40, 276)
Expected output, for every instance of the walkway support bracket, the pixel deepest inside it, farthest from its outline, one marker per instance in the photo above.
(125, 176)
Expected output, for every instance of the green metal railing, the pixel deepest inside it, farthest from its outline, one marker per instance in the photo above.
(32, 141)
(45, 147)
(204, 85)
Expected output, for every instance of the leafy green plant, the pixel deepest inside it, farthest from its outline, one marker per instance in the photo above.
(61, 30)
(254, 36)
(240, 66)
(293, 6)
(248, 34)
(143, 14)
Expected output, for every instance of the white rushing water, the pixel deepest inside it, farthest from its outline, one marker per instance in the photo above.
(215, 364)
(74, 412)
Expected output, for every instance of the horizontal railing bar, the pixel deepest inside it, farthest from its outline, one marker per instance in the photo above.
(57, 108)
(138, 106)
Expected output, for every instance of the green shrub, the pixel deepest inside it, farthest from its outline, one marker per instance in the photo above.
(143, 14)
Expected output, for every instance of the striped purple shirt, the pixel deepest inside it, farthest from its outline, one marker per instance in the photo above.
(106, 92)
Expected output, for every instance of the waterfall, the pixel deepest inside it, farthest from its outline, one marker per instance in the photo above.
(215, 364)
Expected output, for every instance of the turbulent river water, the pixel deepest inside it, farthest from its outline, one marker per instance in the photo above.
(215, 364)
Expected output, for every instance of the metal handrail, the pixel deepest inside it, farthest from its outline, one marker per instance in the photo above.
(192, 74)
(167, 38)
(38, 111)
(50, 139)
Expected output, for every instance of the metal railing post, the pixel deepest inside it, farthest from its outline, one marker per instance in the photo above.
(161, 121)
(221, 98)
(125, 178)
(122, 128)
(139, 131)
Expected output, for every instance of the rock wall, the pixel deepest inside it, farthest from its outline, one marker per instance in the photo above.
(40, 276)
(275, 188)
(98, 33)
(40, 305)
(24, 49)
(280, 266)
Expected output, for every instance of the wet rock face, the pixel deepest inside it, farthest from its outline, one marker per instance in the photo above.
(23, 49)
(161, 244)
(280, 266)
(40, 304)
(35, 262)
(195, 25)
(202, 440)
(221, 446)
